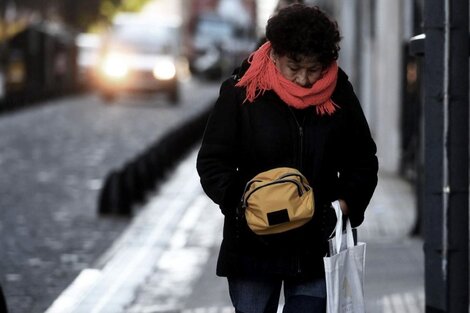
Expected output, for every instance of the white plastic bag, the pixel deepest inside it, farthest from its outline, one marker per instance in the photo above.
(344, 270)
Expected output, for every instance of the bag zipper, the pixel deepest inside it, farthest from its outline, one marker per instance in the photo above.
(307, 187)
(299, 188)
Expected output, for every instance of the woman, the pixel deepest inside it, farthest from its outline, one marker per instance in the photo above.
(289, 105)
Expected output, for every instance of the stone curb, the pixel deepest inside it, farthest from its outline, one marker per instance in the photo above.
(130, 184)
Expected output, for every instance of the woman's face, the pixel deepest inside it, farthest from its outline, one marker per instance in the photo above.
(304, 72)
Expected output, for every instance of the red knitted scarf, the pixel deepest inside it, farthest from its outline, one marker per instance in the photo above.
(263, 75)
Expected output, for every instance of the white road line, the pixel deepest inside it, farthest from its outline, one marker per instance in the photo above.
(225, 309)
(387, 306)
(213, 310)
(137, 258)
(409, 302)
(188, 222)
(76, 292)
(182, 262)
(228, 309)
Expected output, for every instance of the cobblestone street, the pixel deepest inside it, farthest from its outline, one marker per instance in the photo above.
(54, 157)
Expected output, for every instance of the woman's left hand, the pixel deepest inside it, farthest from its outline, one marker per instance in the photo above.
(344, 206)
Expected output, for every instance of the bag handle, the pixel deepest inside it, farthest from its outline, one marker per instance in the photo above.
(339, 228)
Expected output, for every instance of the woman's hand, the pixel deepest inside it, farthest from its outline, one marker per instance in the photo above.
(344, 206)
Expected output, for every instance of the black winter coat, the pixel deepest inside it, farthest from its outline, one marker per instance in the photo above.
(335, 152)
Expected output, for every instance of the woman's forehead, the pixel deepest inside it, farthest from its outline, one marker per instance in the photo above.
(303, 60)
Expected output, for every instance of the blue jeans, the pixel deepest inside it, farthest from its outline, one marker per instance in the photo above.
(261, 295)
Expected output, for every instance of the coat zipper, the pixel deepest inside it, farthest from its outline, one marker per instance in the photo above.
(301, 135)
(301, 138)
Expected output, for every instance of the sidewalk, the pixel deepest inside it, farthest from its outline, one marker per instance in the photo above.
(163, 266)
(394, 261)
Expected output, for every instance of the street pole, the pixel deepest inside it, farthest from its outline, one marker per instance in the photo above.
(446, 116)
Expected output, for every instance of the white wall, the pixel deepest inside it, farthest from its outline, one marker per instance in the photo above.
(265, 9)
(347, 16)
(388, 83)
(371, 54)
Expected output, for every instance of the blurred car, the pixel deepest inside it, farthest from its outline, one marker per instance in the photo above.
(139, 57)
(88, 47)
(219, 45)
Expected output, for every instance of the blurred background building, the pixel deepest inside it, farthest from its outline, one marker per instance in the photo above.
(374, 53)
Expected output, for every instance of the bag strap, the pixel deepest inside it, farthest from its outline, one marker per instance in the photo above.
(339, 228)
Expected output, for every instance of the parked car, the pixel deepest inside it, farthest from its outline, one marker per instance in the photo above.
(139, 57)
(219, 45)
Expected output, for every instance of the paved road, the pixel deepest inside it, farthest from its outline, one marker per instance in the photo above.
(53, 159)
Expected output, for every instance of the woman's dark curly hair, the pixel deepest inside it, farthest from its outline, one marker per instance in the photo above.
(302, 31)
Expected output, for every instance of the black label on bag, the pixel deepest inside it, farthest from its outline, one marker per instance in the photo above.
(278, 217)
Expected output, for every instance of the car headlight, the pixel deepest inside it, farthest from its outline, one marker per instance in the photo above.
(164, 70)
(115, 66)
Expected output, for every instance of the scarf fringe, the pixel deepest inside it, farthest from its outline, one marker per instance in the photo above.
(254, 83)
(328, 107)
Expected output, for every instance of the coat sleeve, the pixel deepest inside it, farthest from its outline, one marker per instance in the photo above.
(359, 164)
(218, 157)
